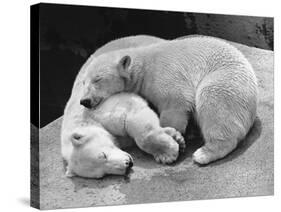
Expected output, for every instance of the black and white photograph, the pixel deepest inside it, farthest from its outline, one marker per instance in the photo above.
(133, 106)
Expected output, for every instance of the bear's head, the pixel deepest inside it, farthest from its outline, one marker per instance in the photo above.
(105, 76)
(95, 155)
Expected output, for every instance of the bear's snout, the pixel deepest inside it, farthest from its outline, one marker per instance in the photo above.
(91, 103)
(86, 103)
(129, 165)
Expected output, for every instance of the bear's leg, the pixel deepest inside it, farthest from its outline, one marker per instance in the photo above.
(174, 118)
(163, 143)
(224, 115)
(213, 150)
(221, 129)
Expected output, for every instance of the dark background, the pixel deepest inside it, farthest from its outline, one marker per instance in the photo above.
(69, 34)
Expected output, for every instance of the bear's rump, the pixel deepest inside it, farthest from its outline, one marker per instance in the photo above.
(226, 101)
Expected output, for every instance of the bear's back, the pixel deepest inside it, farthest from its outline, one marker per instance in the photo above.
(204, 49)
(191, 58)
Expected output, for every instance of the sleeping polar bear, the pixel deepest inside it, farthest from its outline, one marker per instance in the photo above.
(87, 142)
(201, 75)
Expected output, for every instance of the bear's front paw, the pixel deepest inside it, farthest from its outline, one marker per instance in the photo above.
(168, 156)
(177, 137)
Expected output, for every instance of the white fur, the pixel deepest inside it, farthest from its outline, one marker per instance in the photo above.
(86, 135)
(122, 115)
(200, 75)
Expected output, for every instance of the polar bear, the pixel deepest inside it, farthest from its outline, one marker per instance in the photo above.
(91, 151)
(202, 75)
(88, 144)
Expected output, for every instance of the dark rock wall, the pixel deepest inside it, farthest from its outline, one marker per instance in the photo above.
(69, 34)
(252, 31)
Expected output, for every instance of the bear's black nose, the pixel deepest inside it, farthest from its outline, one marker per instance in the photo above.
(86, 103)
(129, 164)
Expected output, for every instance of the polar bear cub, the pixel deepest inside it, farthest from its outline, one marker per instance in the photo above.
(91, 151)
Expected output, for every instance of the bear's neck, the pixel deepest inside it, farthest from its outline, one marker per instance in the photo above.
(137, 76)
(141, 83)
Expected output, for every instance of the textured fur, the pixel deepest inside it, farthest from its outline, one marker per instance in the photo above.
(201, 75)
(87, 144)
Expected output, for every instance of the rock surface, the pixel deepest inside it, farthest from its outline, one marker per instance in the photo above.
(248, 171)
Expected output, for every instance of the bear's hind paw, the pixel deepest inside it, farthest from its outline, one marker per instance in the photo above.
(176, 135)
(202, 156)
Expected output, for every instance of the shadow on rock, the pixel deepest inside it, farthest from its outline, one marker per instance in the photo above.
(193, 139)
(91, 183)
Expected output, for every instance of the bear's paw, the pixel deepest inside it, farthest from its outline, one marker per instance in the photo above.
(177, 137)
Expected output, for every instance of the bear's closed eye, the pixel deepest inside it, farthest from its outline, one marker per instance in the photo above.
(103, 156)
(77, 136)
(97, 79)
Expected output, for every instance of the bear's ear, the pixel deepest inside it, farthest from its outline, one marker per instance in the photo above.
(123, 66)
(77, 139)
(69, 172)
